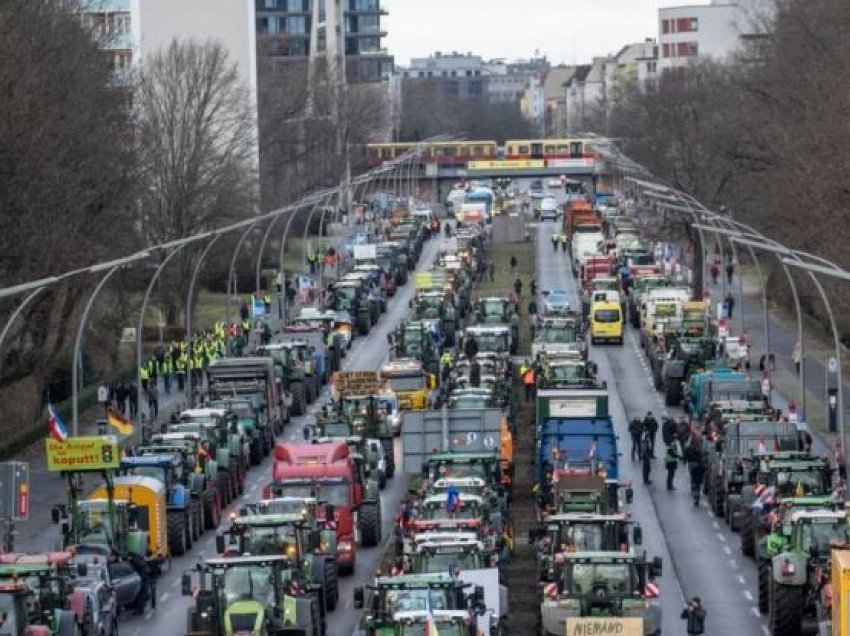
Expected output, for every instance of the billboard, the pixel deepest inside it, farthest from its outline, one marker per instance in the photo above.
(506, 164)
(83, 453)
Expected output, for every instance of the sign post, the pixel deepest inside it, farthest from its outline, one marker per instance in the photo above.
(14, 498)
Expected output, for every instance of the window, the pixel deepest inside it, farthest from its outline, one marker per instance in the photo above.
(650, 67)
(686, 49)
(686, 25)
(296, 24)
(665, 50)
(665, 26)
(293, 5)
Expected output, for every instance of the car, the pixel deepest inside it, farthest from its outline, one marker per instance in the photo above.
(555, 302)
(377, 450)
(549, 209)
(556, 183)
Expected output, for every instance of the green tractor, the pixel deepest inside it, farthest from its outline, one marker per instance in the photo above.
(498, 310)
(778, 477)
(247, 411)
(792, 572)
(350, 296)
(431, 305)
(684, 356)
(295, 534)
(293, 366)
(252, 595)
(413, 340)
(34, 595)
(359, 416)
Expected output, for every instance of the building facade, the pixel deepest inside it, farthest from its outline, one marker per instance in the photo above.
(111, 21)
(284, 28)
(714, 31)
(461, 76)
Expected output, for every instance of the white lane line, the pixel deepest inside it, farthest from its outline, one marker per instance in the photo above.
(755, 612)
(765, 630)
(741, 579)
(749, 595)
(721, 537)
(164, 597)
(727, 550)
(175, 583)
(148, 616)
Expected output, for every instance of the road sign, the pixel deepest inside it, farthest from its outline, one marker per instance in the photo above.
(832, 365)
(15, 491)
(83, 453)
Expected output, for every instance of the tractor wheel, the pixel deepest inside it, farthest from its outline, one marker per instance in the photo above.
(363, 325)
(331, 584)
(176, 533)
(748, 536)
(370, 525)
(197, 520)
(672, 392)
(298, 404)
(238, 480)
(212, 513)
(223, 485)
(764, 573)
(786, 609)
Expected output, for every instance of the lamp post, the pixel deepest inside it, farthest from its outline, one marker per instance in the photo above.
(110, 267)
(18, 311)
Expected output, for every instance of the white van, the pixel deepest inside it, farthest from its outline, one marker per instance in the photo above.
(549, 209)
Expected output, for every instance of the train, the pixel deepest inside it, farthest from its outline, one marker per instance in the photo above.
(452, 152)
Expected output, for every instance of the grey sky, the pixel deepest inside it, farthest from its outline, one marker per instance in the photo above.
(567, 31)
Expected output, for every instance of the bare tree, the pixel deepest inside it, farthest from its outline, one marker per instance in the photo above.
(65, 184)
(196, 145)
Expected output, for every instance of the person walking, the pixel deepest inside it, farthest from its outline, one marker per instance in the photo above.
(153, 402)
(518, 288)
(668, 431)
(693, 456)
(671, 463)
(470, 347)
(529, 380)
(694, 613)
(730, 272)
(714, 270)
(650, 427)
(533, 287)
(491, 268)
(646, 459)
(635, 430)
(729, 304)
(513, 263)
(797, 356)
(133, 395)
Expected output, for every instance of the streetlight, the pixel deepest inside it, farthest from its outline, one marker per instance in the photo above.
(111, 267)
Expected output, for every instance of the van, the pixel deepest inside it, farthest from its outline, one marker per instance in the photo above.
(606, 322)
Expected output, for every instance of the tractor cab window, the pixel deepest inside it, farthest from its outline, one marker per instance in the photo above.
(600, 579)
(798, 483)
(406, 383)
(9, 613)
(584, 537)
(247, 583)
(823, 535)
(279, 540)
(418, 600)
(432, 562)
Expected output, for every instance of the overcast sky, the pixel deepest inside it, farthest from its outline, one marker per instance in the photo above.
(566, 31)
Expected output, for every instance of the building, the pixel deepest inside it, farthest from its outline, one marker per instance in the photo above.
(533, 105)
(714, 31)
(111, 20)
(508, 80)
(555, 98)
(585, 95)
(462, 76)
(284, 28)
(633, 64)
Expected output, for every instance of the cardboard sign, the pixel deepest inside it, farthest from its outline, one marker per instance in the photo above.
(83, 453)
(599, 626)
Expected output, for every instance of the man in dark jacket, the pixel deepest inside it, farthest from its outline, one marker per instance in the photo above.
(694, 614)
(470, 347)
(635, 430)
(693, 457)
(668, 430)
(650, 427)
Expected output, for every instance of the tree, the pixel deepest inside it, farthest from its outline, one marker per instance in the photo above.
(196, 145)
(65, 184)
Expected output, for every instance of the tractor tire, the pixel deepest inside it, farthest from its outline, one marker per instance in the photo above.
(197, 520)
(374, 313)
(212, 513)
(657, 381)
(718, 503)
(764, 574)
(672, 392)
(389, 454)
(88, 625)
(177, 532)
(256, 454)
(331, 584)
(748, 536)
(370, 525)
(786, 609)
(223, 486)
(363, 324)
(298, 402)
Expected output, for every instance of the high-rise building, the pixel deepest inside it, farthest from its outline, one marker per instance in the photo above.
(284, 29)
(110, 21)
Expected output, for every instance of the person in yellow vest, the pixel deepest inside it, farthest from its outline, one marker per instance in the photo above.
(529, 379)
(267, 301)
(144, 376)
(180, 371)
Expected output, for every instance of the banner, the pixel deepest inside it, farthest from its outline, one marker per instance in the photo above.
(83, 453)
(595, 626)
(506, 164)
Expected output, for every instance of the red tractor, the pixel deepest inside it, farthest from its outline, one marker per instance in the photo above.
(338, 479)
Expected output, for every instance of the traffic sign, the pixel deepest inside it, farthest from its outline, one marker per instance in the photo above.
(832, 365)
(83, 453)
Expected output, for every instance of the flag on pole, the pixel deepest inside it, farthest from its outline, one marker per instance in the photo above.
(55, 426)
(119, 422)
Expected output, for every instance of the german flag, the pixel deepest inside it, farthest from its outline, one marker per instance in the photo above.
(119, 422)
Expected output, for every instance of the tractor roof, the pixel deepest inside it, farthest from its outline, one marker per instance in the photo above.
(269, 520)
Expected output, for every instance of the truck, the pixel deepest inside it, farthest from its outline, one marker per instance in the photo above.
(254, 595)
(299, 369)
(253, 379)
(331, 474)
(604, 593)
(580, 213)
(408, 379)
(718, 383)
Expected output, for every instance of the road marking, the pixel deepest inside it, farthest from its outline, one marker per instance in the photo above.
(748, 594)
(741, 579)
(765, 630)
(164, 597)
(721, 537)
(727, 550)
(175, 583)
(716, 525)
(755, 612)
(148, 616)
